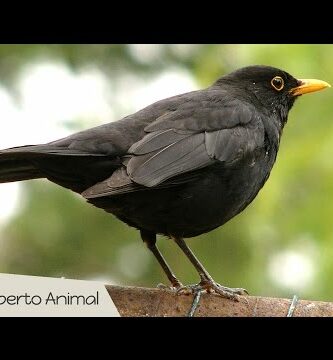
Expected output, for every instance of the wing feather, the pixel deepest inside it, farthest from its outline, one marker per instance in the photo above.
(179, 143)
(179, 157)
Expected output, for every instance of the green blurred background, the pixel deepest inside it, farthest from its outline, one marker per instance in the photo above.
(281, 245)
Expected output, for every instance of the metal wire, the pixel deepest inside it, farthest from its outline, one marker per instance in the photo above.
(195, 303)
(292, 306)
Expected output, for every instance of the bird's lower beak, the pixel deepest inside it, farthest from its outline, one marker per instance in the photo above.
(309, 85)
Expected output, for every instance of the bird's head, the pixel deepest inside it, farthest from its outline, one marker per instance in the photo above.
(274, 89)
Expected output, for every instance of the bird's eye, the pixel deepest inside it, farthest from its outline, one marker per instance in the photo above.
(278, 83)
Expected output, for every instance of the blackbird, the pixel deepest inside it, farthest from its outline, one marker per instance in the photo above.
(180, 167)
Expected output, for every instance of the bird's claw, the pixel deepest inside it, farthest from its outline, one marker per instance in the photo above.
(212, 287)
(229, 293)
(173, 287)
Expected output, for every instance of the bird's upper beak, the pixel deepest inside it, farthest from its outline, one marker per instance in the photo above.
(308, 85)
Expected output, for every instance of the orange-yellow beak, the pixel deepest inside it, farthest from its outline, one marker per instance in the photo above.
(309, 85)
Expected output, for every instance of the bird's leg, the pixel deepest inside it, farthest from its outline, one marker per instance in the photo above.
(149, 238)
(207, 283)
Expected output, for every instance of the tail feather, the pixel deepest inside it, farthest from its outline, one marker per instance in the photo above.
(18, 170)
(71, 168)
(38, 151)
(16, 163)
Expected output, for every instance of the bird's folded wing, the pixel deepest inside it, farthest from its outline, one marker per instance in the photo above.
(186, 153)
(193, 137)
(231, 145)
(190, 152)
(167, 154)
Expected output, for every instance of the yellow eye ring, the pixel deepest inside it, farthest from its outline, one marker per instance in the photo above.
(278, 83)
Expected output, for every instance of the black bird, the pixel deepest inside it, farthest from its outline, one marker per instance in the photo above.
(180, 167)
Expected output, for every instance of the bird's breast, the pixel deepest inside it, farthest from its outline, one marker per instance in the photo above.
(223, 192)
(212, 197)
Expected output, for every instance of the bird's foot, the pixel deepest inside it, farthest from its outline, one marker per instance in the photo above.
(210, 286)
(175, 286)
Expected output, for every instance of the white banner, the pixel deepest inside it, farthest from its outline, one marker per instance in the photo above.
(22, 295)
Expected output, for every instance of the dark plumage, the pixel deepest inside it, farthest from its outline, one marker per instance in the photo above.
(179, 167)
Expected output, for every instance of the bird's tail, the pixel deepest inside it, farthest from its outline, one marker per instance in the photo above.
(17, 164)
(71, 168)
(17, 171)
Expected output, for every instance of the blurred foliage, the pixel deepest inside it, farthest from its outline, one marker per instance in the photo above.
(55, 233)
